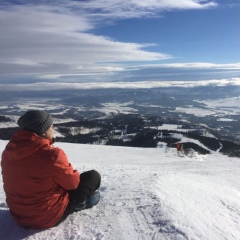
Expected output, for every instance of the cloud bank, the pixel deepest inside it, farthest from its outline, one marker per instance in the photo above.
(55, 39)
(46, 86)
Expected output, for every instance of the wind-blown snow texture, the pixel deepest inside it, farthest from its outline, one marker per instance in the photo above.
(147, 194)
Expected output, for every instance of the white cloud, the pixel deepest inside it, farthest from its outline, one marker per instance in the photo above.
(53, 38)
(44, 37)
(135, 8)
(194, 65)
(46, 86)
(203, 65)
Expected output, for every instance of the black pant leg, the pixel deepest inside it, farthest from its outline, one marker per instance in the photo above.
(89, 182)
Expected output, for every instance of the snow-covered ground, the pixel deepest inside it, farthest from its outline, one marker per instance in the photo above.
(147, 194)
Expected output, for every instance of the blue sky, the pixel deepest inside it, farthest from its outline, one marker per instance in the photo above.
(103, 41)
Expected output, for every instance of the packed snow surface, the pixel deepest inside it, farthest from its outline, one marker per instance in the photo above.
(147, 194)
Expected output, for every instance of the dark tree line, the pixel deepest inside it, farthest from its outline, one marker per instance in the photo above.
(144, 137)
(4, 119)
(6, 133)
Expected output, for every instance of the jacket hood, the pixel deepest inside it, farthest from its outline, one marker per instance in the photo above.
(24, 143)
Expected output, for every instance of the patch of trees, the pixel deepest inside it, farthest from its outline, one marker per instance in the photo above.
(6, 133)
(65, 131)
(211, 143)
(85, 123)
(230, 148)
(4, 119)
(133, 122)
(80, 138)
(115, 142)
(143, 139)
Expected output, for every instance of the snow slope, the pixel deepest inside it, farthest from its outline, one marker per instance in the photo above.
(147, 194)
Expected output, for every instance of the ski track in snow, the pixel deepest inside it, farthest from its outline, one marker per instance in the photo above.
(147, 194)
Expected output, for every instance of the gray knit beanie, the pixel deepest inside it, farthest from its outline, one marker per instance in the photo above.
(35, 121)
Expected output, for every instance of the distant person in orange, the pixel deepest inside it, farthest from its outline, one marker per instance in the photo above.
(41, 186)
(178, 147)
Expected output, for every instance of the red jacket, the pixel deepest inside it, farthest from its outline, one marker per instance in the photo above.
(36, 177)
